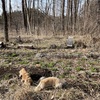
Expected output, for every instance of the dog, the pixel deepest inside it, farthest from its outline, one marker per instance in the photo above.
(26, 79)
(46, 82)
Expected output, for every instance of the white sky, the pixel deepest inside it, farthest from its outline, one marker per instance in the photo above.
(16, 5)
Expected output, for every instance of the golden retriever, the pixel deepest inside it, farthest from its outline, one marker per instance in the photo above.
(26, 79)
(46, 82)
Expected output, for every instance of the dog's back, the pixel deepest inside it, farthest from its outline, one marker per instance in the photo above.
(50, 81)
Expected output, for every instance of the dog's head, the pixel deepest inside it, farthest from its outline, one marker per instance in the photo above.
(21, 72)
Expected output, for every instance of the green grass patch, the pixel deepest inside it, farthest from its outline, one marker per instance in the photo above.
(47, 65)
(12, 54)
(7, 76)
(93, 69)
(72, 77)
(54, 69)
(51, 64)
(23, 62)
(67, 68)
(79, 68)
(62, 76)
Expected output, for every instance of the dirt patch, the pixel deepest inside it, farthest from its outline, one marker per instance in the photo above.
(3, 90)
(7, 72)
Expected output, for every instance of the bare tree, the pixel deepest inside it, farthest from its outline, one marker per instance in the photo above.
(68, 15)
(5, 21)
(38, 28)
(71, 10)
(33, 18)
(98, 18)
(10, 17)
(24, 15)
(81, 16)
(76, 7)
(54, 3)
(28, 21)
(63, 17)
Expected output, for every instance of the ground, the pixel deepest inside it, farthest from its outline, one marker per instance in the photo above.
(78, 68)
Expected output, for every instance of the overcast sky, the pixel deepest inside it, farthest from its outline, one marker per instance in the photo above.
(16, 4)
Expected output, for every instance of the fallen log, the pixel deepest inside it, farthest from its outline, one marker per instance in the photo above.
(28, 46)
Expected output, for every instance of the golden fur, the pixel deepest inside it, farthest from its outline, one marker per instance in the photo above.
(25, 77)
(50, 81)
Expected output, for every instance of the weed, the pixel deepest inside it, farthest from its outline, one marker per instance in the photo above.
(72, 77)
(62, 76)
(78, 68)
(51, 64)
(23, 62)
(54, 69)
(67, 69)
(48, 65)
(7, 76)
(12, 55)
(93, 69)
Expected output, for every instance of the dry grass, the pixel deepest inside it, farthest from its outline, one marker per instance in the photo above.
(76, 66)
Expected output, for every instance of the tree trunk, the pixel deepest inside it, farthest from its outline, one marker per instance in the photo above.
(98, 19)
(63, 24)
(24, 15)
(33, 20)
(76, 5)
(10, 17)
(5, 21)
(68, 15)
(27, 14)
(38, 28)
(71, 10)
(54, 17)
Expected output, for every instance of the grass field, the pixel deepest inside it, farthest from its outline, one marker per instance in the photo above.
(79, 68)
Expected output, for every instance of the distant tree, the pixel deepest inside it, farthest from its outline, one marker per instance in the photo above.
(68, 15)
(98, 19)
(38, 28)
(71, 10)
(33, 19)
(5, 21)
(54, 16)
(24, 15)
(27, 14)
(63, 17)
(76, 6)
(10, 17)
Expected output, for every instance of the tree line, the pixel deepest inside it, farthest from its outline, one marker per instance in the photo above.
(53, 17)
